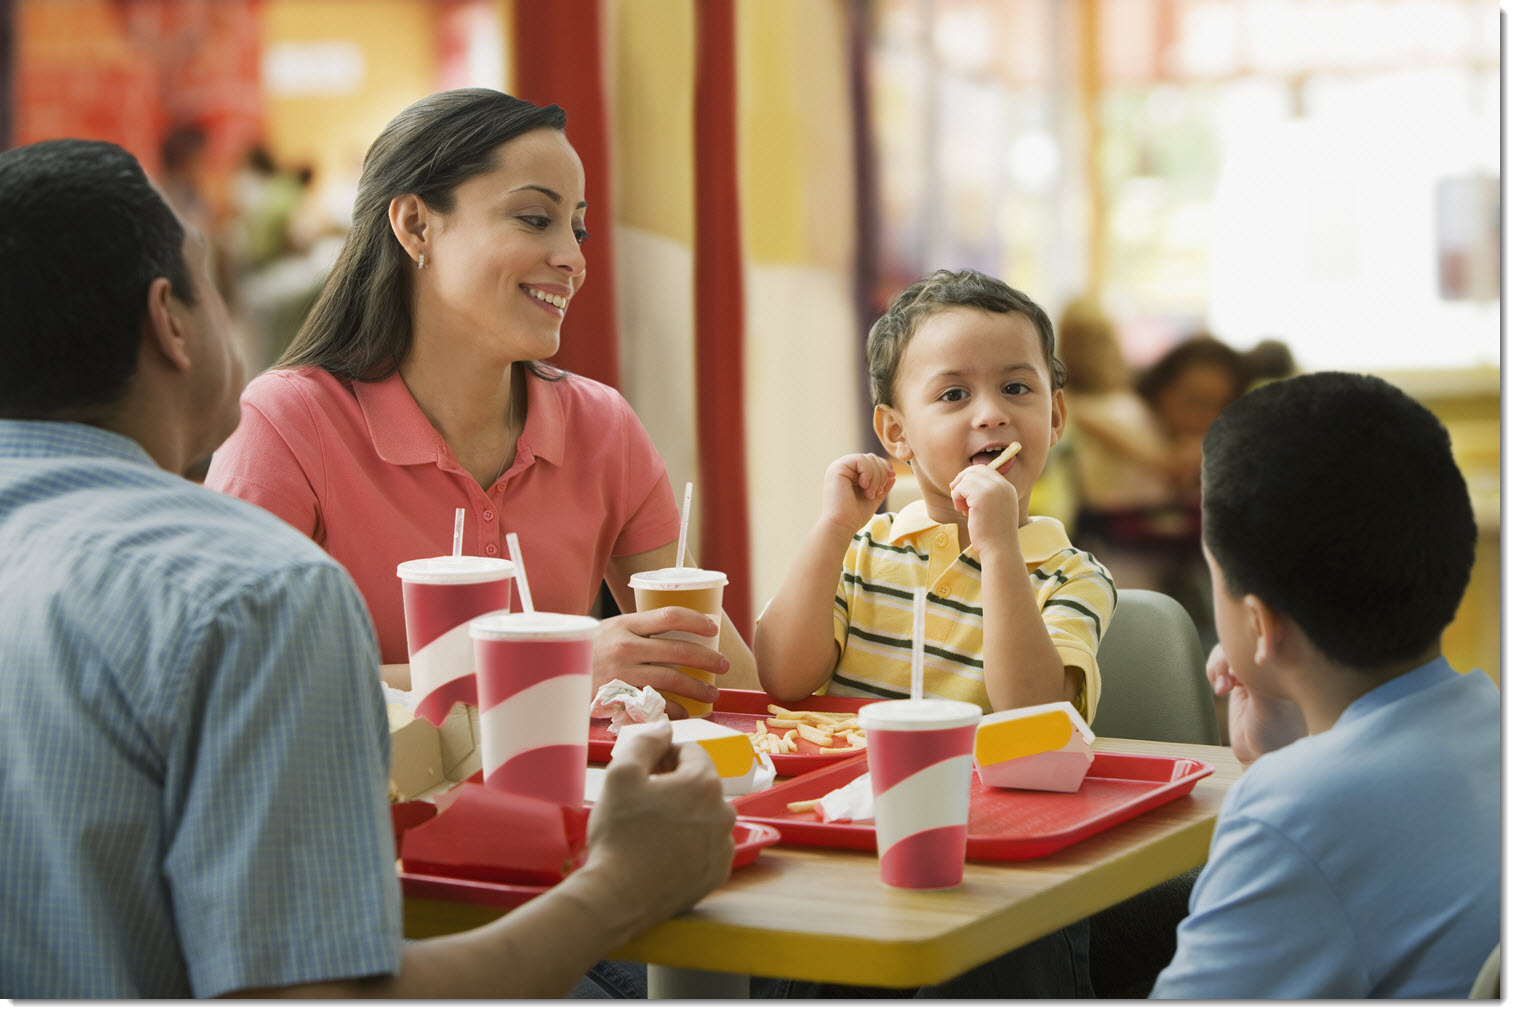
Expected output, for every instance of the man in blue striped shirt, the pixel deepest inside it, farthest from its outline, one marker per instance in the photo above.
(194, 748)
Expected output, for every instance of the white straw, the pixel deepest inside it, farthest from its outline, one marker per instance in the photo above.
(515, 557)
(684, 523)
(457, 533)
(918, 647)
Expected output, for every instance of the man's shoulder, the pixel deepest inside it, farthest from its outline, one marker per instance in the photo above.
(189, 530)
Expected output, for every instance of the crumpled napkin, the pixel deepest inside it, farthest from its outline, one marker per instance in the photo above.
(624, 704)
(853, 801)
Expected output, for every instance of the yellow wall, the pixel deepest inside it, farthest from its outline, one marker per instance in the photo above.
(332, 132)
(650, 47)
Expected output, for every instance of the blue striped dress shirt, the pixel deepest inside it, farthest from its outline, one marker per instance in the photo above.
(193, 742)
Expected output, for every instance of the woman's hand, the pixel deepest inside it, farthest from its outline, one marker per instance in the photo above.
(629, 649)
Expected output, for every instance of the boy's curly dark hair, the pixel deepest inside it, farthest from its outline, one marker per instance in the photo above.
(938, 291)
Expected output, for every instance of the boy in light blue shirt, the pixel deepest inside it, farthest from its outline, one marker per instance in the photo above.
(1359, 854)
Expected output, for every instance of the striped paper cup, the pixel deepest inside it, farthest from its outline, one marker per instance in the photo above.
(920, 763)
(442, 595)
(534, 692)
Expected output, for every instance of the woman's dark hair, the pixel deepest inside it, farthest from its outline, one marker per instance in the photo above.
(359, 327)
(85, 235)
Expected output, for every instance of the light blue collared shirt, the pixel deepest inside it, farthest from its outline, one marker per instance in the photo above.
(1361, 862)
(194, 749)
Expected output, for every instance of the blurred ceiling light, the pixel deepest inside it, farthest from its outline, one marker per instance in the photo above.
(326, 67)
(1034, 161)
(964, 41)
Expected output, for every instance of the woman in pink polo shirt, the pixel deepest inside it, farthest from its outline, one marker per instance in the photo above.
(418, 385)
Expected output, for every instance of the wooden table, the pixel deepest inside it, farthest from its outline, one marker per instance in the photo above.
(822, 914)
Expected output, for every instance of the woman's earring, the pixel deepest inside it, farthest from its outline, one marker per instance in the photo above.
(421, 264)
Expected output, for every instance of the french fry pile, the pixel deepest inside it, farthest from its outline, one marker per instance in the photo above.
(826, 729)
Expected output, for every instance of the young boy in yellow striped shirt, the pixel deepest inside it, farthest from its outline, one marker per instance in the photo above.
(961, 367)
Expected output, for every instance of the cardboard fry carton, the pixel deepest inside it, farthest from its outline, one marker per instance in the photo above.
(1047, 746)
(735, 760)
(425, 759)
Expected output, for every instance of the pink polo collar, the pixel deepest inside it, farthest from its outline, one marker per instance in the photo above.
(402, 435)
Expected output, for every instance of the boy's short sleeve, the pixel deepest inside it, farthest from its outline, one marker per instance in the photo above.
(1077, 614)
(1264, 922)
(841, 606)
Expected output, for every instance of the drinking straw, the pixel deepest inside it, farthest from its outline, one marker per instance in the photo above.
(457, 533)
(515, 557)
(684, 523)
(918, 646)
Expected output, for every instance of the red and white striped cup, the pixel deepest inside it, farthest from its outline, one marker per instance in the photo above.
(920, 765)
(534, 692)
(442, 595)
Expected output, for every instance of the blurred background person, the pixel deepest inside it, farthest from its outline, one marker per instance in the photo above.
(1127, 474)
(1270, 359)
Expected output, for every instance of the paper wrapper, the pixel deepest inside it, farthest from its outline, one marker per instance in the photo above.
(483, 834)
(853, 801)
(624, 704)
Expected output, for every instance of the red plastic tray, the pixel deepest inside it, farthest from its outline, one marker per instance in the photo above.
(751, 838)
(737, 709)
(1002, 823)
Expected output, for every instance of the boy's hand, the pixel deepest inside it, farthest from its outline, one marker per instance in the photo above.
(1259, 724)
(992, 506)
(853, 489)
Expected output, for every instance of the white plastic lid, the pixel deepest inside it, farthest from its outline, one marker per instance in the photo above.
(455, 570)
(918, 716)
(677, 579)
(507, 626)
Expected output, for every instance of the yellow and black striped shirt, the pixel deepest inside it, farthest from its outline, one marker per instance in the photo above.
(896, 553)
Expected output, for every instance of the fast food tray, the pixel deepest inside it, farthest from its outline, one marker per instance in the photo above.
(751, 838)
(1002, 823)
(737, 709)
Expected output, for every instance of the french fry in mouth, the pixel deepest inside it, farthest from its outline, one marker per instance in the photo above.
(1006, 455)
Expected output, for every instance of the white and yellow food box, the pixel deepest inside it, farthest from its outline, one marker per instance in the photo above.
(735, 760)
(1047, 746)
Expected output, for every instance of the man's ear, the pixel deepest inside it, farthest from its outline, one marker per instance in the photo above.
(889, 426)
(1059, 416)
(410, 220)
(165, 324)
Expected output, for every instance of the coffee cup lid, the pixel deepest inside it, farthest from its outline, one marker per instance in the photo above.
(677, 579)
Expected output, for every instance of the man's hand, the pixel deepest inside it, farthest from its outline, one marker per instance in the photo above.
(661, 829)
(625, 649)
(852, 490)
(1258, 724)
